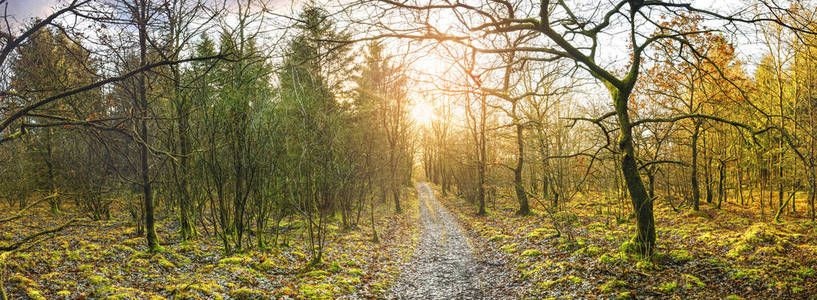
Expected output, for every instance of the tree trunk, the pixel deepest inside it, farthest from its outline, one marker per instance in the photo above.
(375, 239)
(696, 191)
(142, 103)
(54, 202)
(721, 173)
(521, 196)
(187, 230)
(740, 182)
(780, 182)
(812, 191)
(482, 158)
(396, 195)
(393, 184)
(641, 203)
(708, 175)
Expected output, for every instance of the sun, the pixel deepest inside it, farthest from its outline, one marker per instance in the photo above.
(422, 113)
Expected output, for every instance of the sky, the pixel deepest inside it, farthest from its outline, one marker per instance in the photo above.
(22, 10)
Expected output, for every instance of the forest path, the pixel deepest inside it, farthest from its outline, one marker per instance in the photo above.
(443, 266)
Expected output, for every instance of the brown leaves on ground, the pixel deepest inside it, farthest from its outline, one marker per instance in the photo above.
(105, 259)
(709, 254)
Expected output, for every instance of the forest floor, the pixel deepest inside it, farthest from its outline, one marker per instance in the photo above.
(710, 254)
(105, 259)
(438, 248)
(444, 266)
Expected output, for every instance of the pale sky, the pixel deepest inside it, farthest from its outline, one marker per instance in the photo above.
(22, 10)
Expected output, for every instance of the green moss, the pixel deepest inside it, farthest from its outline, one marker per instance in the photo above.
(96, 279)
(188, 247)
(805, 272)
(246, 294)
(693, 281)
(180, 258)
(613, 259)
(34, 294)
(22, 281)
(50, 276)
(510, 248)
(531, 252)
(234, 260)
(266, 265)
(85, 267)
(205, 288)
(528, 273)
(63, 293)
(334, 267)
(681, 256)
(625, 296)
(73, 255)
(88, 245)
(349, 282)
(162, 261)
(628, 247)
(567, 244)
(611, 285)
(22, 255)
(30, 287)
(355, 271)
(55, 259)
(123, 248)
(104, 290)
(762, 239)
(759, 233)
(716, 261)
(534, 235)
(381, 286)
(319, 291)
(317, 274)
(589, 251)
(668, 287)
(738, 249)
(498, 237)
(123, 294)
(707, 237)
(138, 262)
(299, 255)
(606, 259)
(548, 283)
(581, 243)
(753, 274)
(645, 264)
(733, 297)
(770, 251)
(132, 242)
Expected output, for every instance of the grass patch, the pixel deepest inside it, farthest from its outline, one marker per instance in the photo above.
(668, 287)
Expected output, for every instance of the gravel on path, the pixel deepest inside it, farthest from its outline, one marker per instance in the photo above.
(443, 266)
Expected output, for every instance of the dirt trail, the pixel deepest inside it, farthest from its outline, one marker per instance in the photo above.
(443, 266)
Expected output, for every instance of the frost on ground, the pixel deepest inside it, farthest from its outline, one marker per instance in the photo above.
(444, 266)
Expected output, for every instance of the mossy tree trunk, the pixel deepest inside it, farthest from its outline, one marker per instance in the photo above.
(141, 16)
(641, 202)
